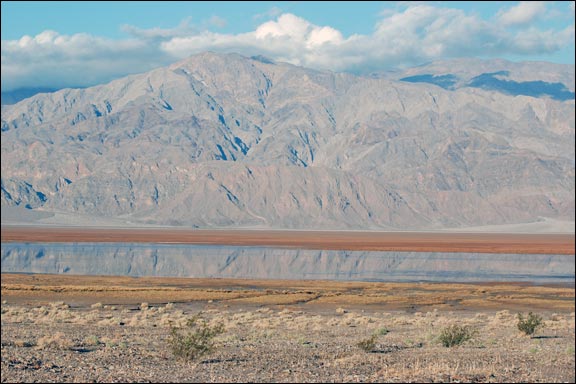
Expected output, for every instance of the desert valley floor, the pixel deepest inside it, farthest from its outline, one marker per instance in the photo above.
(64, 328)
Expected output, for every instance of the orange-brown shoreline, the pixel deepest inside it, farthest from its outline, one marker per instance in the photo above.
(333, 240)
(311, 294)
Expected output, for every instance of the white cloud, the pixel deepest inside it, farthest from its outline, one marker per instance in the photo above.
(418, 33)
(523, 13)
(287, 25)
(217, 21)
(53, 60)
(271, 13)
(289, 38)
(534, 40)
(183, 29)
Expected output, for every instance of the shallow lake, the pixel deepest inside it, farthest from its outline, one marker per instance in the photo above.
(168, 260)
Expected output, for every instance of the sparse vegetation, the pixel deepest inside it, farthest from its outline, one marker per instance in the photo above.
(24, 343)
(368, 345)
(92, 340)
(278, 344)
(197, 340)
(529, 324)
(455, 335)
(57, 340)
(304, 343)
(382, 331)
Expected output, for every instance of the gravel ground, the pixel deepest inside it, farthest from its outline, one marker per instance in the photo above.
(58, 343)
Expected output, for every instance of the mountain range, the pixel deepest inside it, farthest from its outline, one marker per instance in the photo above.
(223, 140)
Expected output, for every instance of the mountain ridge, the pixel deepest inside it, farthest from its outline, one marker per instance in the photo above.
(198, 143)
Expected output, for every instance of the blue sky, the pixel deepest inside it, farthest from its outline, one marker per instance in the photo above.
(58, 44)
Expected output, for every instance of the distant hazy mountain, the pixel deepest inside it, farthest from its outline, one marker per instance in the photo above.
(12, 97)
(527, 78)
(225, 140)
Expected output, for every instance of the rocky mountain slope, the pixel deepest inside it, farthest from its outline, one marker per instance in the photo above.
(225, 140)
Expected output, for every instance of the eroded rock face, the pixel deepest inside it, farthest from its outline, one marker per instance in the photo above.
(224, 140)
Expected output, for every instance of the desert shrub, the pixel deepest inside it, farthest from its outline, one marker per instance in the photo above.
(529, 324)
(368, 345)
(24, 343)
(382, 331)
(91, 340)
(455, 335)
(57, 340)
(197, 340)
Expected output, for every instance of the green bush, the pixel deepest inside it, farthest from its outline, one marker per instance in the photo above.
(455, 335)
(530, 324)
(197, 341)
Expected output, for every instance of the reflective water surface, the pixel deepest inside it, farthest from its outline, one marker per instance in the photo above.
(170, 260)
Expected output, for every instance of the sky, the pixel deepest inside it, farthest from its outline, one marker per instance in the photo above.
(58, 44)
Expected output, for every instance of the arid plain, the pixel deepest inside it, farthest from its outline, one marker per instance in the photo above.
(116, 329)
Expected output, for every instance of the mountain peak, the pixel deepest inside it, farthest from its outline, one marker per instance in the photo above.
(227, 140)
(208, 58)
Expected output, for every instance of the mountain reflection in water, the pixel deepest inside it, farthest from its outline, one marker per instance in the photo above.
(168, 260)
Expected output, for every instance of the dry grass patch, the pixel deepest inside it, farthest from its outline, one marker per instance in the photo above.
(276, 299)
(548, 303)
(24, 343)
(57, 340)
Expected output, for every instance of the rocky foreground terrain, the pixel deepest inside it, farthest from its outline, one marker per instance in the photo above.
(282, 333)
(53, 343)
(229, 141)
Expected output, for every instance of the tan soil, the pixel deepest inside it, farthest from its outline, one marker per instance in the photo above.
(93, 329)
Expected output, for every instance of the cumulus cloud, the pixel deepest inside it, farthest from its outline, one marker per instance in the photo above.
(418, 33)
(53, 60)
(523, 13)
(289, 38)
